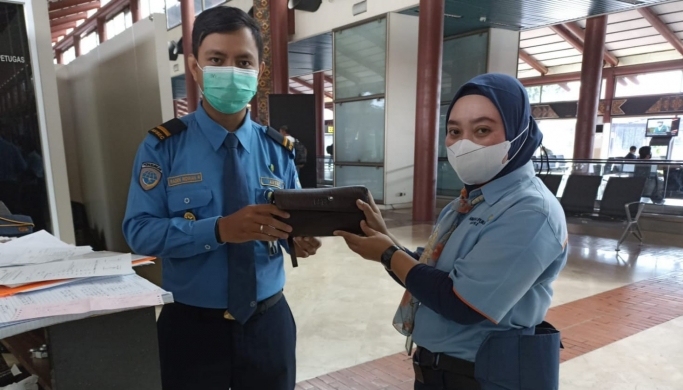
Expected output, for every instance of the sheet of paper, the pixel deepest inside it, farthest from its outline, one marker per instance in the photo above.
(117, 292)
(15, 328)
(90, 305)
(66, 269)
(36, 248)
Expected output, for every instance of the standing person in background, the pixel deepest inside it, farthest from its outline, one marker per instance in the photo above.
(200, 200)
(300, 151)
(477, 295)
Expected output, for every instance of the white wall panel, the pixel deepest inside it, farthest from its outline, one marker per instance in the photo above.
(400, 109)
(117, 92)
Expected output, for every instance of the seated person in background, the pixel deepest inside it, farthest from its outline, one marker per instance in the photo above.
(632, 154)
(645, 153)
(652, 184)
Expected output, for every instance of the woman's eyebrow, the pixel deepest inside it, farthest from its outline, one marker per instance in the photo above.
(475, 120)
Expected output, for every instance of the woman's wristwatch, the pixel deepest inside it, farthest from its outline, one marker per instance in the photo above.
(387, 255)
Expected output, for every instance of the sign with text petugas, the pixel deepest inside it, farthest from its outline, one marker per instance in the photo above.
(12, 59)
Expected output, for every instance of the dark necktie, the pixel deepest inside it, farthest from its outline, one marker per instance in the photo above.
(241, 267)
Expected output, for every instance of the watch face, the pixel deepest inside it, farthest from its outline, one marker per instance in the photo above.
(387, 255)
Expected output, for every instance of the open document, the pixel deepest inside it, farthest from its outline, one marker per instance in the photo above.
(38, 247)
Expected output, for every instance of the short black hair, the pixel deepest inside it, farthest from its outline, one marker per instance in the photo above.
(633, 149)
(645, 152)
(285, 129)
(224, 20)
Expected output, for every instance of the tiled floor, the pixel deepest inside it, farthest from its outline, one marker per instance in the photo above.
(587, 325)
(343, 304)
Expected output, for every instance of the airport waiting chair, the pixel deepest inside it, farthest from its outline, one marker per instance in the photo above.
(580, 194)
(621, 202)
(552, 182)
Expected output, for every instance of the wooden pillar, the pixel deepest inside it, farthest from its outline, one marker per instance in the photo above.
(279, 38)
(77, 45)
(430, 49)
(58, 56)
(135, 10)
(187, 19)
(101, 30)
(265, 86)
(610, 86)
(591, 80)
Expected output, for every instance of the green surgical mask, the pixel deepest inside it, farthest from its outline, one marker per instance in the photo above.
(229, 89)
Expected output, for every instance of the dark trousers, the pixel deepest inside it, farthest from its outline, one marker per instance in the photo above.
(456, 374)
(199, 349)
(449, 384)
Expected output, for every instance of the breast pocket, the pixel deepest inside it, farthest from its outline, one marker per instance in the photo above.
(263, 195)
(190, 202)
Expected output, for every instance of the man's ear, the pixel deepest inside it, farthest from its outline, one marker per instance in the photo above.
(261, 69)
(194, 68)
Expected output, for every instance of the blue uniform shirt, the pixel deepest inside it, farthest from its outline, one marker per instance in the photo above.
(502, 259)
(184, 174)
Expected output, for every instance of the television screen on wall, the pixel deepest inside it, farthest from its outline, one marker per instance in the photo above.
(662, 127)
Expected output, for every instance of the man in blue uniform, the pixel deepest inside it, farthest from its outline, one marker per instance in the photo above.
(200, 199)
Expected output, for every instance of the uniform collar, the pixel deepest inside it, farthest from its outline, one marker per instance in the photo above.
(498, 188)
(216, 133)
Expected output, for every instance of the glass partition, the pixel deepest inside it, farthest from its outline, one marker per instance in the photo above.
(22, 166)
(359, 132)
(371, 177)
(360, 60)
(463, 58)
(359, 116)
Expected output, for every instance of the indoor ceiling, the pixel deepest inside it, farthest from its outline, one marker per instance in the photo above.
(464, 16)
(631, 39)
(310, 55)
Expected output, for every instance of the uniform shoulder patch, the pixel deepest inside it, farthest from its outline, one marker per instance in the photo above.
(280, 139)
(150, 175)
(168, 129)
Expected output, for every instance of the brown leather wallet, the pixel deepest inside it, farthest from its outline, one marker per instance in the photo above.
(319, 212)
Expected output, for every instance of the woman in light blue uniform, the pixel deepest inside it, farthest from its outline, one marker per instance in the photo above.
(477, 294)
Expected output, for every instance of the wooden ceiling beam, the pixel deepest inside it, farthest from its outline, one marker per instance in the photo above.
(74, 10)
(308, 85)
(577, 30)
(532, 62)
(568, 36)
(57, 5)
(65, 26)
(70, 18)
(662, 28)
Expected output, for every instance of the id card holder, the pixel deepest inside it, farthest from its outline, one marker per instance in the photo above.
(273, 248)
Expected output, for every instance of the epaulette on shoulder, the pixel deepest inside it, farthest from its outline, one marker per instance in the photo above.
(168, 129)
(280, 139)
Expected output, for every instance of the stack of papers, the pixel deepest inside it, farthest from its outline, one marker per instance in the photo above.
(44, 281)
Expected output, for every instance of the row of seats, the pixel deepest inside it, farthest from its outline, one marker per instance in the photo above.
(621, 201)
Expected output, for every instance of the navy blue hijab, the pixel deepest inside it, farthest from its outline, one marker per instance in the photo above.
(512, 102)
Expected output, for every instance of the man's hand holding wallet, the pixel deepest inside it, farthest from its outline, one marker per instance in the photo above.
(259, 223)
(320, 212)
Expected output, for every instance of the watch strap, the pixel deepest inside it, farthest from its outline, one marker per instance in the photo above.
(387, 255)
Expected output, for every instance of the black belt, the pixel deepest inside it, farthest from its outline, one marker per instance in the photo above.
(261, 308)
(426, 362)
